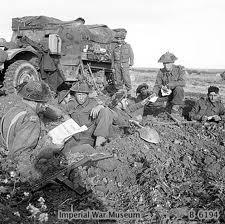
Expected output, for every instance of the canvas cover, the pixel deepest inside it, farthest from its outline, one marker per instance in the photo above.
(44, 24)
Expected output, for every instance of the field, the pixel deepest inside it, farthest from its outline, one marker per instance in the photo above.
(197, 81)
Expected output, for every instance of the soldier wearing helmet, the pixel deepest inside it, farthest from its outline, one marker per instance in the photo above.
(85, 110)
(21, 126)
(169, 84)
(122, 60)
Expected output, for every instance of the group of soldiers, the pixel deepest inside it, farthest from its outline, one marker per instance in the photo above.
(22, 125)
(169, 85)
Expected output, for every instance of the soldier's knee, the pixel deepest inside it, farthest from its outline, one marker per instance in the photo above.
(105, 113)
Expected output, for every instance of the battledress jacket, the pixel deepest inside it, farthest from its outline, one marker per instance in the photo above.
(81, 114)
(203, 107)
(20, 129)
(175, 77)
(123, 54)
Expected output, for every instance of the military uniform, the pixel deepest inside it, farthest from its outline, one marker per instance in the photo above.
(81, 114)
(122, 59)
(203, 107)
(20, 129)
(121, 117)
(176, 78)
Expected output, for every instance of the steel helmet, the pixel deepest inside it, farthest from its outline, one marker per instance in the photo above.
(35, 91)
(167, 58)
(81, 87)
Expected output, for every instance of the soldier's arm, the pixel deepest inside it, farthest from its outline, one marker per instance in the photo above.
(131, 54)
(27, 135)
(222, 111)
(158, 83)
(197, 113)
(135, 106)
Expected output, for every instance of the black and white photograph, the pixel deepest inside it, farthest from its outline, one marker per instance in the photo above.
(112, 112)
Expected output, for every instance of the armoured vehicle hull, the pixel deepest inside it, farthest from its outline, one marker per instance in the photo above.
(75, 49)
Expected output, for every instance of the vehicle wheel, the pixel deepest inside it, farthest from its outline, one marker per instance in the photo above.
(17, 73)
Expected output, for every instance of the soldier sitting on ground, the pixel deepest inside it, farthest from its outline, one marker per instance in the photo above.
(122, 110)
(169, 84)
(80, 106)
(22, 132)
(142, 92)
(209, 108)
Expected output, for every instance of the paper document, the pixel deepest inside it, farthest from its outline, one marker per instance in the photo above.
(153, 99)
(210, 117)
(166, 93)
(65, 130)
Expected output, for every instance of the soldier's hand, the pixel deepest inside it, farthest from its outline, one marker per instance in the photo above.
(216, 118)
(153, 95)
(164, 88)
(113, 70)
(95, 111)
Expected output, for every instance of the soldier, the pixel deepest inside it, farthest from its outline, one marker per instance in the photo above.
(122, 110)
(87, 111)
(142, 92)
(122, 60)
(169, 84)
(21, 127)
(209, 108)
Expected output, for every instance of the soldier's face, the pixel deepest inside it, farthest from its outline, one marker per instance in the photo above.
(168, 66)
(81, 97)
(144, 91)
(213, 97)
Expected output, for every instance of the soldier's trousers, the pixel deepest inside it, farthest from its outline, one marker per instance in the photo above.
(175, 98)
(122, 76)
(101, 126)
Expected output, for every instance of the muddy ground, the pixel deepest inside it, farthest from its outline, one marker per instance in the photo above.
(185, 172)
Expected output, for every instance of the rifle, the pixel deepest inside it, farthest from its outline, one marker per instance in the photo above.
(63, 174)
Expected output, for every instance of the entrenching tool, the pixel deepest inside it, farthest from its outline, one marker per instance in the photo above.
(148, 134)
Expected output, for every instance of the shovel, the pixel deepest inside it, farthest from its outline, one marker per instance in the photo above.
(148, 134)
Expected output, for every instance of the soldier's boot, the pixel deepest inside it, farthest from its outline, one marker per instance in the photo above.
(176, 113)
(100, 141)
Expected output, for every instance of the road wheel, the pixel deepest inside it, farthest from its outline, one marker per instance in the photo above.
(17, 73)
